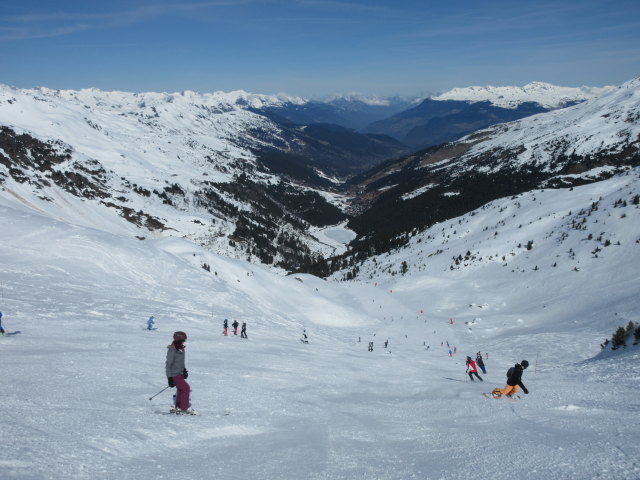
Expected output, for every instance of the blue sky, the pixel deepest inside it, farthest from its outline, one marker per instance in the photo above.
(317, 47)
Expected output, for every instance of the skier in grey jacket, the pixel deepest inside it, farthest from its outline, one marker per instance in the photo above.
(177, 373)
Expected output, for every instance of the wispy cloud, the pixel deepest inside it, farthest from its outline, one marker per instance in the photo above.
(59, 23)
(361, 8)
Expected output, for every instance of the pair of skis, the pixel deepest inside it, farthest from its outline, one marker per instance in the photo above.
(225, 412)
(511, 397)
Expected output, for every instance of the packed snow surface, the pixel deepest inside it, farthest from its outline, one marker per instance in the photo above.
(79, 366)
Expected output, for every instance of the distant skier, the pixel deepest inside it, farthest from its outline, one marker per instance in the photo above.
(514, 380)
(472, 369)
(480, 363)
(450, 353)
(371, 346)
(235, 325)
(225, 327)
(455, 350)
(386, 343)
(150, 322)
(304, 338)
(243, 331)
(177, 374)
(2, 332)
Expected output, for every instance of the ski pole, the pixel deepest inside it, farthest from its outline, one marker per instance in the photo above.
(151, 398)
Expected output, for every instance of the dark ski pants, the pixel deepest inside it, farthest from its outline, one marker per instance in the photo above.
(471, 374)
(484, 370)
(243, 334)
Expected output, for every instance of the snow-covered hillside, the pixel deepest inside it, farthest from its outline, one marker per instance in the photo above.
(171, 164)
(606, 125)
(574, 145)
(79, 367)
(548, 95)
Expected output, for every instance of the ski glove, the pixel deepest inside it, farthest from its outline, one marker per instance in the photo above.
(171, 384)
(185, 374)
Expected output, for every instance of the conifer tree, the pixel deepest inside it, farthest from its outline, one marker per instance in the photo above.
(618, 338)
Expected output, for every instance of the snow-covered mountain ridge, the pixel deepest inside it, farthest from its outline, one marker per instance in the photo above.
(182, 164)
(600, 128)
(458, 112)
(95, 97)
(575, 145)
(547, 95)
(189, 165)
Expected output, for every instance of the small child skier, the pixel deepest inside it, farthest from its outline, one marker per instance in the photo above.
(177, 374)
(150, 322)
(225, 327)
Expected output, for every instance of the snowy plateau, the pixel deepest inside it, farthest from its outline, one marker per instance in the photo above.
(545, 275)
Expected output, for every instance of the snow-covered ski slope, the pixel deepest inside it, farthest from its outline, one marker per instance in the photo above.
(78, 375)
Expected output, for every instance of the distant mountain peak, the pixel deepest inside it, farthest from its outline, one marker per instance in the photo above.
(370, 100)
(544, 94)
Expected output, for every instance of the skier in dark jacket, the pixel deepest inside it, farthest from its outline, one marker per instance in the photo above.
(480, 363)
(2, 332)
(472, 369)
(177, 374)
(235, 325)
(514, 380)
(243, 331)
(225, 327)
